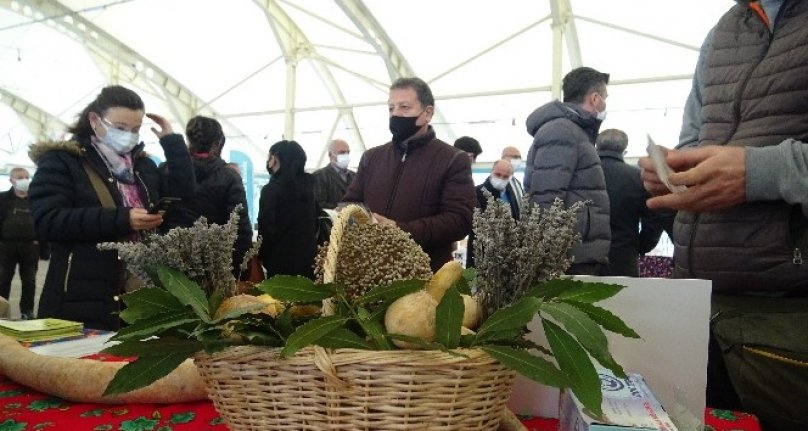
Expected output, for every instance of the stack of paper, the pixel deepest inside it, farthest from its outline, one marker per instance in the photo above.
(40, 329)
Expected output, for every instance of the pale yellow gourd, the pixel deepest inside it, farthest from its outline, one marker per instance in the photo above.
(414, 314)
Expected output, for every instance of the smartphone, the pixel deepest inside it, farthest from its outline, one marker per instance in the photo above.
(163, 204)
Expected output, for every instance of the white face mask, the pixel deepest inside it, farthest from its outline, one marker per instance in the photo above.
(499, 183)
(516, 163)
(121, 141)
(21, 184)
(601, 115)
(343, 160)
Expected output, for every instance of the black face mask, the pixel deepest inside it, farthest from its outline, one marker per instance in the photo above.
(403, 127)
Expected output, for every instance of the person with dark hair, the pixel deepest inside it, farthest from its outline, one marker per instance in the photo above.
(635, 228)
(331, 181)
(18, 243)
(742, 219)
(218, 188)
(97, 188)
(470, 146)
(287, 213)
(562, 163)
(417, 182)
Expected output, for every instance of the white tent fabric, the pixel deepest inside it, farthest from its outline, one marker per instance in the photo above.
(313, 70)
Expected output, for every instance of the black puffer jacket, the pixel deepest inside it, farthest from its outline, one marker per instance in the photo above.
(562, 163)
(219, 190)
(82, 281)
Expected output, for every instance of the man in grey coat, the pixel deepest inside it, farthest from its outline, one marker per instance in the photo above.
(562, 163)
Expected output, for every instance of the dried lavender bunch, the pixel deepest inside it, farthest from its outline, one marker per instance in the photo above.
(512, 256)
(203, 252)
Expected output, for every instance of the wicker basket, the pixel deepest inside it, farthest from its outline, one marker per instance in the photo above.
(352, 390)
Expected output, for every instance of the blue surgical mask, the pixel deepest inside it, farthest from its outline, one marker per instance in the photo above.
(121, 141)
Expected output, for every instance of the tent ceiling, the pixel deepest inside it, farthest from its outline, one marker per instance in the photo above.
(315, 69)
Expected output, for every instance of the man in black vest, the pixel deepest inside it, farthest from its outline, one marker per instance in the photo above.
(18, 245)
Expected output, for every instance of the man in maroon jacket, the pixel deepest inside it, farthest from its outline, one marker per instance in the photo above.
(417, 182)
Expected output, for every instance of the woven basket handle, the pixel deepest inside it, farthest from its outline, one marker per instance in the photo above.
(349, 214)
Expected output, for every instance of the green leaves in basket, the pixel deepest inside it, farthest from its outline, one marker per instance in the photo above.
(147, 302)
(183, 288)
(310, 332)
(295, 289)
(607, 320)
(155, 325)
(145, 371)
(574, 290)
(514, 317)
(154, 347)
(449, 319)
(576, 366)
(373, 327)
(533, 367)
(586, 331)
(342, 338)
(391, 292)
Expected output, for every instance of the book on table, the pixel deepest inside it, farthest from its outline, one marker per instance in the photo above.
(40, 329)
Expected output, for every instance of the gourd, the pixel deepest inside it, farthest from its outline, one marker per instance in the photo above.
(413, 315)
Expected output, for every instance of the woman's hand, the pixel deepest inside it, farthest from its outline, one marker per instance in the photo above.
(140, 219)
(162, 122)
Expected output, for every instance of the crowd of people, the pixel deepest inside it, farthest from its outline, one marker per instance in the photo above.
(741, 221)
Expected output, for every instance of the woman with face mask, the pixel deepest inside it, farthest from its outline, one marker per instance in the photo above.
(287, 213)
(98, 187)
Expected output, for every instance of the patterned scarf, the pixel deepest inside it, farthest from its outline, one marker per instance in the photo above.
(119, 166)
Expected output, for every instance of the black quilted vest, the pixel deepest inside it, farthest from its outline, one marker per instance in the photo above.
(754, 93)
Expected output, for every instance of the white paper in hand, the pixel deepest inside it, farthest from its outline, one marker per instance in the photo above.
(661, 166)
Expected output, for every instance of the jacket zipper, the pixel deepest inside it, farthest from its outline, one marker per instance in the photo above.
(736, 111)
(67, 272)
(399, 172)
(149, 201)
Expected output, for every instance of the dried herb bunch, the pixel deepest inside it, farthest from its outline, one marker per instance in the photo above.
(203, 252)
(511, 256)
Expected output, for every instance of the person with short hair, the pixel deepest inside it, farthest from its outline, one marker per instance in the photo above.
(416, 181)
(331, 181)
(470, 146)
(635, 228)
(562, 163)
(18, 243)
(498, 185)
(513, 155)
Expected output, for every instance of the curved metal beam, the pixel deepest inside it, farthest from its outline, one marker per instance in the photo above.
(374, 34)
(35, 119)
(296, 46)
(121, 63)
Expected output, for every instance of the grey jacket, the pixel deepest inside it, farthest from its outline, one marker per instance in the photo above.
(760, 105)
(562, 163)
(329, 187)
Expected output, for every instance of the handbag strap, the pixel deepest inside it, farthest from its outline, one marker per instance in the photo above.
(98, 184)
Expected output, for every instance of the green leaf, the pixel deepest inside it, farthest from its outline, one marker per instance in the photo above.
(533, 367)
(576, 366)
(215, 300)
(588, 292)
(586, 331)
(373, 328)
(391, 292)
(154, 346)
(240, 310)
(342, 338)
(147, 302)
(449, 318)
(184, 289)
(295, 289)
(155, 325)
(607, 320)
(498, 337)
(310, 332)
(515, 316)
(549, 289)
(144, 371)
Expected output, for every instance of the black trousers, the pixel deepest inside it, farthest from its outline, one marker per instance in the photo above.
(26, 255)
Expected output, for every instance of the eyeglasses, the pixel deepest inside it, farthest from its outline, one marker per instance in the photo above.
(120, 126)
